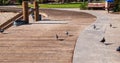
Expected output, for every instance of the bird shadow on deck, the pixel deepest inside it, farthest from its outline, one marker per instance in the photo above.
(61, 39)
(109, 43)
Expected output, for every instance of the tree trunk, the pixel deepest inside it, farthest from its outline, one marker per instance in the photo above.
(63, 1)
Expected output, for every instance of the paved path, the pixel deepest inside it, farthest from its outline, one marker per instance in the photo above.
(89, 49)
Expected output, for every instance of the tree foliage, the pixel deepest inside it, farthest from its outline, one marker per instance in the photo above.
(117, 5)
(2, 2)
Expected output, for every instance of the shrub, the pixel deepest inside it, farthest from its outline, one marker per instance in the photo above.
(116, 8)
(83, 5)
(4, 2)
(19, 1)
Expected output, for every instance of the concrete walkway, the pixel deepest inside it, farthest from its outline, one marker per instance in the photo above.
(88, 48)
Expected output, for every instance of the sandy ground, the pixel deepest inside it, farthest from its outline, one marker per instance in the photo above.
(36, 42)
(6, 16)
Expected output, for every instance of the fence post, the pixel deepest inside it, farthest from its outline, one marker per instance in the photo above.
(36, 12)
(25, 11)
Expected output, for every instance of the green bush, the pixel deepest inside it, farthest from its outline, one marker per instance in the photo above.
(4, 2)
(116, 8)
(83, 5)
(19, 1)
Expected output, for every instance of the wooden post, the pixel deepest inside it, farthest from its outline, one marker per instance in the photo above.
(25, 11)
(36, 12)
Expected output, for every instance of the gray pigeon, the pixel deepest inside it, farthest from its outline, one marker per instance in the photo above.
(57, 37)
(67, 33)
(1, 30)
(118, 49)
(110, 25)
(94, 26)
(103, 40)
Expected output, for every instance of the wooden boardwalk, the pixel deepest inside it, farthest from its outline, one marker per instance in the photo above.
(36, 42)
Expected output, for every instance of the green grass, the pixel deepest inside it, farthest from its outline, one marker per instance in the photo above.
(67, 5)
(60, 5)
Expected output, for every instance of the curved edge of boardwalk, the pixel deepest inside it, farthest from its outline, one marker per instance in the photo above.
(88, 48)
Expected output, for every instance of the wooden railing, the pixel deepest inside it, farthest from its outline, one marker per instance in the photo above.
(24, 14)
(10, 22)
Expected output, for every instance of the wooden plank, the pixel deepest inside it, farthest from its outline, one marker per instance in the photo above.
(10, 20)
(8, 26)
(11, 23)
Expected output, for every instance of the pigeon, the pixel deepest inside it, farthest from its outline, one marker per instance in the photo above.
(103, 40)
(57, 37)
(1, 30)
(94, 26)
(118, 49)
(32, 14)
(67, 33)
(110, 25)
(31, 9)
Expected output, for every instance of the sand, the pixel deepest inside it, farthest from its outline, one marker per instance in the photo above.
(4, 16)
